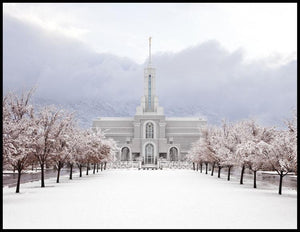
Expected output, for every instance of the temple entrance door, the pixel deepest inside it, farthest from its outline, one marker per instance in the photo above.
(125, 154)
(149, 154)
(174, 154)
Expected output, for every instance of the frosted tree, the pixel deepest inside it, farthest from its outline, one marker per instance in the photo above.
(18, 128)
(212, 144)
(292, 137)
(97, 136)
(256, 159)
(62, 151)
(100, 150)
(108, 151)
(198, 154)
(281, 153)
(90, 149)
(49, 129)
(240, 132)
(79, 149)
(73, 142)
(244, 132)
(247, 144)
(219, 150)
(206, 150)
(213, 148)
(223, 146)
(249, 154)
(194, 155)
(228, 149)
(228, 160)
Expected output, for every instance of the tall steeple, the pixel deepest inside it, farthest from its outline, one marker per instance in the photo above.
(149, 80)
(149, 102)
(149, 51)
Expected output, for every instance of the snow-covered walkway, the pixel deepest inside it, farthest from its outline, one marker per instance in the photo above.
(148, 199)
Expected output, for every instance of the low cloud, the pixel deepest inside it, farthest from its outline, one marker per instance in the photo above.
(204, 80)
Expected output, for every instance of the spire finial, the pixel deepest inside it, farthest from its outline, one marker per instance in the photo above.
(150, 49)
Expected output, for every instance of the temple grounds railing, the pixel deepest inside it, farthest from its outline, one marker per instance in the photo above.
(124, 164)
(175, 165)
(160, 165)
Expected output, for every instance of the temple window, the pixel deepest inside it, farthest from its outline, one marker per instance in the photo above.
(149, 130)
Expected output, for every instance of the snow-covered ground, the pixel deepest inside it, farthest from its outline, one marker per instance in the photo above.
(148, 199)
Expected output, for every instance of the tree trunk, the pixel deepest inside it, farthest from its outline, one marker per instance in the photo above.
(280, 182)
(197, 167)
(58, 173)
(228, 177)
(19, 181)
(94, 171)
(219, 171)
(201, 167)
(97, 167)
(32, 167)
(206, 168)
(101, 167)
(80, 170)
(212, 170)
(193, 166)
(71, 171)
(242, 174)
(42, 176)
(254, 179)
(87, 169)
(104, 165)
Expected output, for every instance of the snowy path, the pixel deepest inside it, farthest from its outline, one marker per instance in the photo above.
(148, 199)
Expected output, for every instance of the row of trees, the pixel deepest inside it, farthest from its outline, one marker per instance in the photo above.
(47, 137)
(246, 144)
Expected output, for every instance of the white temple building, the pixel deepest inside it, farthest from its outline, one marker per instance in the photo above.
(149, 136)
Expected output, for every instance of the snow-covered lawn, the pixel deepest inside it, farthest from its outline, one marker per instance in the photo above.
(148, 199)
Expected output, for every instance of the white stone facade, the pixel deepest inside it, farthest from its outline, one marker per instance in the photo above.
(150, 136)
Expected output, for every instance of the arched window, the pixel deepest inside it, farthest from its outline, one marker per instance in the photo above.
(149, 130)
(149, 154)
(125, 154)
(173, 154)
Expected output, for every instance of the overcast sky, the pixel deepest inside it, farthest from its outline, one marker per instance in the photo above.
(261, 30)
(235, 60)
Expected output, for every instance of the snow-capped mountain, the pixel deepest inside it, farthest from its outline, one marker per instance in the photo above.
(86, 110)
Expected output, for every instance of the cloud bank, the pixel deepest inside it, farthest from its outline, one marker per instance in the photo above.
(202, 80)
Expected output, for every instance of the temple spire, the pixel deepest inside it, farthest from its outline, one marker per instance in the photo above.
(150, 50)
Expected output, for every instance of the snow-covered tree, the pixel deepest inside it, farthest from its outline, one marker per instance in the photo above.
(79, 149)
(62, 151)
(90, 149)
(281, 153)
(292, 137)
(247, 144)
(241, 134)
(207, 151)
(108, 151)
(73, 142)
(48, 137)
(194, 156)
(18, 128)
(224, 145)
(49, 128)
(213, 143)
(228, 149)
(249, 155)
